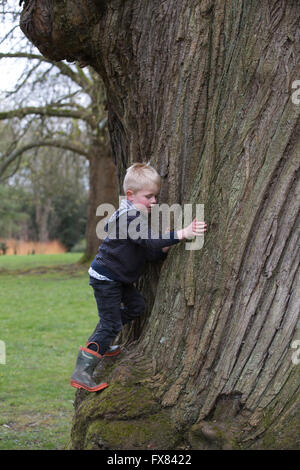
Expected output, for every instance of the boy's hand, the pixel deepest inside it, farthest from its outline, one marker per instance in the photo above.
(195, 229)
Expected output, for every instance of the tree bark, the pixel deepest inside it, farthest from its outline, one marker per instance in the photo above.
(203, 90)
(103, 188)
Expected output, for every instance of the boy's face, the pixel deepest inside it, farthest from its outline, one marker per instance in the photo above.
(145, 198)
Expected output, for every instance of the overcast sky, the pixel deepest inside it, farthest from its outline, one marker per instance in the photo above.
(10, 69)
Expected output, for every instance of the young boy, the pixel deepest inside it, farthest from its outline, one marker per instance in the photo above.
(119, 263)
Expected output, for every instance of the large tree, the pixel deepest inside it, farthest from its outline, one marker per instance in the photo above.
(203, 89)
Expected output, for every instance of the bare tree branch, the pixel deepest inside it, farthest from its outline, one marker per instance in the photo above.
(64, 101)
(50, 111)
(20, 85)
(72, 146)
(80, 78)
(8, 34)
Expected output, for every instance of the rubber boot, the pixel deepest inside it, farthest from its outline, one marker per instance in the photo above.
(112, 350)
(86, 363)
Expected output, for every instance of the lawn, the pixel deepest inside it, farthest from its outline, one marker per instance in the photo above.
(47, 310)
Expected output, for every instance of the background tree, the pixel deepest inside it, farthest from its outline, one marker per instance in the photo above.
(46, 199)
(203, 89)
(57, 105)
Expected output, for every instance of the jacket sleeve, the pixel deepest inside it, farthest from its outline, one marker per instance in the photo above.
(155, 254)
(139, 232)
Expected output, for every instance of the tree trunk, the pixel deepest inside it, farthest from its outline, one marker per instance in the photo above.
(103, 188)
(203, 89)
(42, 211)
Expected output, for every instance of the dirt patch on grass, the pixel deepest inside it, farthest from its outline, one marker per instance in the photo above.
(30, 421)
(73, 269)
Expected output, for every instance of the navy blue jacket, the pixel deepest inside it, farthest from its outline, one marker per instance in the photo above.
(124, 252)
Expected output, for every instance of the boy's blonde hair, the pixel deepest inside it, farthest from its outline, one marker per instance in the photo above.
(139, 175)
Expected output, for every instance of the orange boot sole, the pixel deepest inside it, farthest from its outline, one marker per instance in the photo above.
(89, 389)
(115, 353)
(107, 354)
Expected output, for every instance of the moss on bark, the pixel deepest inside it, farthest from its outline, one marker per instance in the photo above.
(126, 415)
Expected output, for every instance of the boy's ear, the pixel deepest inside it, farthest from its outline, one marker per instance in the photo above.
(129, 193)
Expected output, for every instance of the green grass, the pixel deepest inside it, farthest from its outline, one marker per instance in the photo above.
(32, 261)
(45, 315)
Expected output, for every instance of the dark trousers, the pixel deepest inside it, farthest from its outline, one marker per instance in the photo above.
(109, 295)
